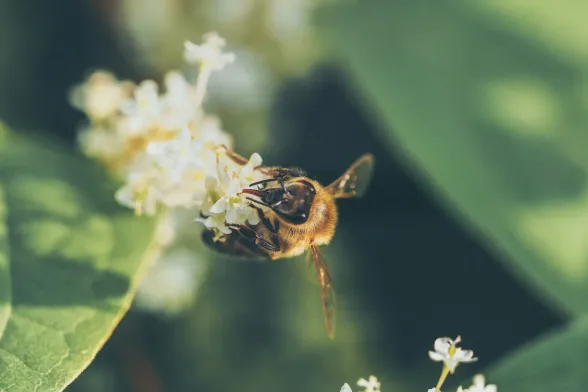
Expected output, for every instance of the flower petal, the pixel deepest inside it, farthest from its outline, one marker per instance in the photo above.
(442, 345)
(224, 229)
(464, 355)
(437, 357)
(232, 216)
(346, 388)
(210, 183)
(220, 206)
(255, 160)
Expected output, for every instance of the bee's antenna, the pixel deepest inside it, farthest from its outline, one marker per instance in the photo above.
(262, 182)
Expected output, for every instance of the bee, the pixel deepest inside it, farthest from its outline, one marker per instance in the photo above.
(296, 214)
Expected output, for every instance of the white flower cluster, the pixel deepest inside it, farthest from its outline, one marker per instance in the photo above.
(169, 152)
(446, 351)
(224, 203)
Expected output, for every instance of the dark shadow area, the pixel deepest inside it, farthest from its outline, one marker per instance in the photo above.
(419, 270)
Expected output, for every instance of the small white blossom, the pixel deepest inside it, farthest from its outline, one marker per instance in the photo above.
(225, 204)
(215, 222)
(177, 88)
(144, 109)
(209, 130)
(178, 155)
(479, 385)
(371, 385)
(346, 388)
(101, 96)
(446, 351)
(180, 103)
(209, 53)
(140, 193)
(101, 143)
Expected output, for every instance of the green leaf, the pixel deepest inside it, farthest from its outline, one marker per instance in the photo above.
(554, 362)
(491, 114)
(69, 260)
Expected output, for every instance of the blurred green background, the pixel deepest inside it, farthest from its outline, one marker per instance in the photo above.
(474, 225)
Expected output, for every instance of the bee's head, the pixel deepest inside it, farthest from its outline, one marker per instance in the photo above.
(292, 202)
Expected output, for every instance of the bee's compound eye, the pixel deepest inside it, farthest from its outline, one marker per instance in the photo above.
(300, 189)
(296, 207)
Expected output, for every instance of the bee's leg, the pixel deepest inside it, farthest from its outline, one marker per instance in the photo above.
(273, 228)
(265, 220)
(259, 202)
(252, 236)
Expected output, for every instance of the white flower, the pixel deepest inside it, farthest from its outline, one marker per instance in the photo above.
(177, 87)
(229, 203)
(248, 174)
(209, 130)
(479, 385)
(224, 203)
(370, 385)
(179, 104)
(232, 180)
(148, 184)
(139, 195)
(346, 388)
(435, 390)
(165, 146)
(143, 110)
(209, 54)
(101, 96)
(178, 155)
(446, 351)
(99, 142)
(215, 222)
(212, 221)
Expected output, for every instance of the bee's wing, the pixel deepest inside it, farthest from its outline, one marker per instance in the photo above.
(355, 180)
(327, 292)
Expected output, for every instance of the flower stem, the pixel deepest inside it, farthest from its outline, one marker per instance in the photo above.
(442, 378)
(202, 82)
